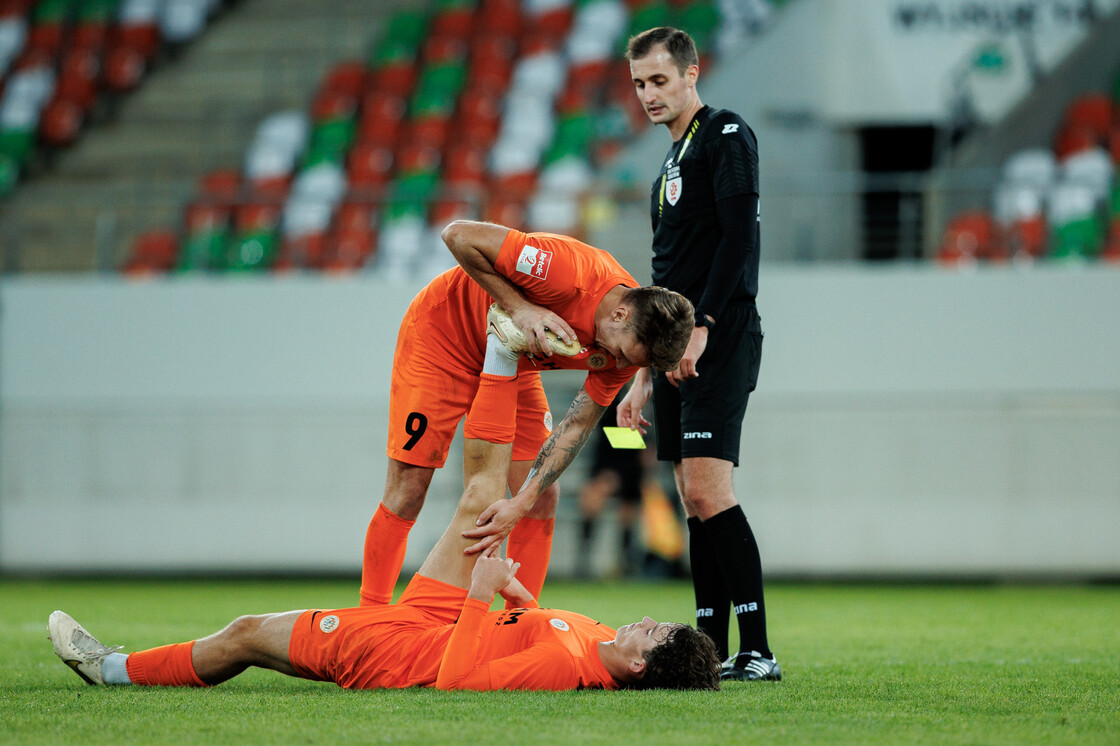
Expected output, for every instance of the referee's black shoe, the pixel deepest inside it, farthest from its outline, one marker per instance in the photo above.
(750, 667)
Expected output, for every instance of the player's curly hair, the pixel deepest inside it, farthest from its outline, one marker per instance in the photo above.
(662, 322)
(678, 43)
(686, 659)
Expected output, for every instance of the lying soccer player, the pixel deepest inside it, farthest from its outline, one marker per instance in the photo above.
(439, 633)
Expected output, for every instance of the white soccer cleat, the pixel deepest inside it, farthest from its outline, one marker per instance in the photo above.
(77, 648)
(513, 339)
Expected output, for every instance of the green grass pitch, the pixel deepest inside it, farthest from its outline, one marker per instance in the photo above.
(891, 664)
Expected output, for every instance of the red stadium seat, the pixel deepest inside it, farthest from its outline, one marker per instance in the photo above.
(204, 216)
(142, 38)
(46, 38)
(969, 236)
(453, 23)
(505, 210)
(89, 35)
(256, 216)
(502, 17)
(1027, 237)
(1092, 112)
(381, 119)
(220, 184)
(124, 67)
(354, 216)
(394, 80)
(428, 130)
(347, 78)
(330, 104)
(369, 165)
(464, 167)
(1073, 139)
(412, 157)
(60, 122)
(350, 249)
(440, 49)
(152, 252)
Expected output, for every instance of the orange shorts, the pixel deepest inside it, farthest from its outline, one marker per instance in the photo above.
(378, 647)
(429, 394)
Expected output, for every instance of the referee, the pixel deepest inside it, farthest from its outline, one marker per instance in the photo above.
(705, 246)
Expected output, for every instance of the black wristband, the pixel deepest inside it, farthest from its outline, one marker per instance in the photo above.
(703, 320)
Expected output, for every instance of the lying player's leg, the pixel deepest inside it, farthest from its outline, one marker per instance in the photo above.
(260, 641)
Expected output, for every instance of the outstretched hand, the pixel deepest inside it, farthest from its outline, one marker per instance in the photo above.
(494, 525)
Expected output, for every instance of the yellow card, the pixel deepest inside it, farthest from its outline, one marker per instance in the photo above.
(624, 437)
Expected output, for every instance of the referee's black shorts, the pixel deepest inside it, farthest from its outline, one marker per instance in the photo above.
(704, 416)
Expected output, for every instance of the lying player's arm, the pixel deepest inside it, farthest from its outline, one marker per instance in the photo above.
(475, 247)
(557, 453)
(491, 573)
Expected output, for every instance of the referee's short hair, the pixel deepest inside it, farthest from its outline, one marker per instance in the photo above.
(680, 45)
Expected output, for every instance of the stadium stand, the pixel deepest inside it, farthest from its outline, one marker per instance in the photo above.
(1056, 203)
(60, 59)
(499, 109)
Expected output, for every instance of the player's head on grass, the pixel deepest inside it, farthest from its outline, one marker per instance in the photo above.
(663, 656)
(661, 321)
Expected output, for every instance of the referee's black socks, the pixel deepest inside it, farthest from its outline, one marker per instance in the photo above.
(731, 559)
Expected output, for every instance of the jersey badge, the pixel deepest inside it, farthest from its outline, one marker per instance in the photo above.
(328, 623)
(548, 421)
(534, 262)
(673, 189)
(729, 128)
(559, 624)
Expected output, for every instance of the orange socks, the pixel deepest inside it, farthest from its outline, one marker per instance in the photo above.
(386, 542)
(493, 413)
(169, 665)
(530, 543)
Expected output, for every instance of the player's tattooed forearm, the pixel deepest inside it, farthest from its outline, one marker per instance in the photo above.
(567, 439)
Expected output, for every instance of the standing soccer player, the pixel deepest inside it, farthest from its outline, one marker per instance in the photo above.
(705, 246)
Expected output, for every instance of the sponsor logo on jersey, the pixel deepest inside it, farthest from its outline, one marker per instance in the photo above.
(696, 435)
(534, 262)
(328, 623)
(673, 189)
(729, 128)
(743, 608)
(559, 624)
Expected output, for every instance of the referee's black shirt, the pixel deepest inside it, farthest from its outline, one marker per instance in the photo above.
(719, 161)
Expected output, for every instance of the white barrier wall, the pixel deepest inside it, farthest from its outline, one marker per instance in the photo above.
(908, 420)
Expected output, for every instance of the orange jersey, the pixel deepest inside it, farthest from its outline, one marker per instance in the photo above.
(524, 649)
(417, 642)
(564, 275)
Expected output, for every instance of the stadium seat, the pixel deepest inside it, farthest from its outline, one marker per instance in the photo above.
(968, 238)
(1092, 112)
(369, 166)
(1075, 227)
(1090, 168)
(381, 119)
(152, 252)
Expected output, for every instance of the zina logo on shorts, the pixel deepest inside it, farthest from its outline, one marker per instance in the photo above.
(695, 435)
(705, 612)
(534, 262)
(328, 623)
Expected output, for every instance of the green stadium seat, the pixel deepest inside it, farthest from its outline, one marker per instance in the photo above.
(252, 251)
